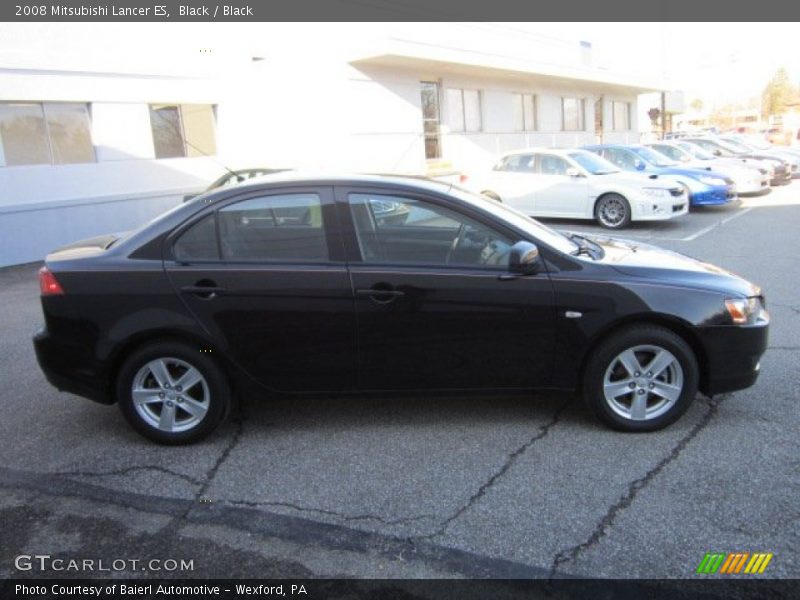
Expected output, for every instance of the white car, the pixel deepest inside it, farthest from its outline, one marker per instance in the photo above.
(578, 184)
(748, 179)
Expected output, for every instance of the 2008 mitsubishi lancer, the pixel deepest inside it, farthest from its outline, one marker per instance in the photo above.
(316, 284)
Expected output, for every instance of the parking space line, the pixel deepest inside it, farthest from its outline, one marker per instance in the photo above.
(711, 227)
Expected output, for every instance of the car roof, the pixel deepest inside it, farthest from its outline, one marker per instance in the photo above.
(338, 178)
(535, 149)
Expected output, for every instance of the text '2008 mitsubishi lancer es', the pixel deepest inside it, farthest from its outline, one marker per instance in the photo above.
(302, 284)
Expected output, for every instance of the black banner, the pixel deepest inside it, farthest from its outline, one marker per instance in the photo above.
(461, 589)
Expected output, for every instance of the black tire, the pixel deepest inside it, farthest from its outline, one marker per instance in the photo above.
(212, 393)
(612, 204)
(492, 196)
(646, 339)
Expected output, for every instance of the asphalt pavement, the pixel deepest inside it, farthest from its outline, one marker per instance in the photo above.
(423, 487)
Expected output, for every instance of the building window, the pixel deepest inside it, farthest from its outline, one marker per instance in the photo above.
(524, 110)
(45, 133)
(621, 115)
(573, 114)
(464, 110)
(430, 119)
(181, 130)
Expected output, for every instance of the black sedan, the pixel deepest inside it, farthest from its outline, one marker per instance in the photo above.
(312, 285)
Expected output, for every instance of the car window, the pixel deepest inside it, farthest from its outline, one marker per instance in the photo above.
(274, 228)
(517, 163)
(199, 242)
(622, 158)
(404, 231)
(550, 164)
(670, 151)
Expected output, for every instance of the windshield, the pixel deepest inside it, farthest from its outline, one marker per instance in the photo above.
(696, 151)
(654, 158)
(531, 226)
(737, 145)
(755, 142)
(596, 165)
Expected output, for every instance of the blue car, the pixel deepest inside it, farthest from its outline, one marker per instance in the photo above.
(705, 187)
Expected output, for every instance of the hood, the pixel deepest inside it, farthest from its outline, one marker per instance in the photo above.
(664, 266)
(693, 172)
(83, 248)
(640, 179)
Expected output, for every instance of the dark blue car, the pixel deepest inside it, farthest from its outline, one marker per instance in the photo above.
(704, 187)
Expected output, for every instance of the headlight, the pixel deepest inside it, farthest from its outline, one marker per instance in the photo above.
(746, 311)
(658, 192)
(712, 180)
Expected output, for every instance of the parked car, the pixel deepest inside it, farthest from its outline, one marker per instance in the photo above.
(791, 155)
(704, 187)
(233, 177)
(748, 180)
(577, 184)
(290, 284)
(766, 167)
(717, 147)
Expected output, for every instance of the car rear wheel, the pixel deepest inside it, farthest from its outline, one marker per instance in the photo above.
(613, 211)
(641, 379)
(493, 196)
(171, 393)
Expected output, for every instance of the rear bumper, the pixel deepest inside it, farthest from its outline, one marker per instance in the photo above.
(69, 369)
(733, 356)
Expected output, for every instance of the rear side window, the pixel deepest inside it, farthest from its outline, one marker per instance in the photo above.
(516, 163)
(199, 242)
(274, 228)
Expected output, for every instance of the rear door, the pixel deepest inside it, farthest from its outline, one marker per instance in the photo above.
(436, 307)
(265, 276)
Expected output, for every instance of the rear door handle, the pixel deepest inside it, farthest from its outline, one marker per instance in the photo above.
(381, 293)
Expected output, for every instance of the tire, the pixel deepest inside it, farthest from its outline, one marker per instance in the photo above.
(612, 211)
(492, 196)
(688, 195)
(608, 378)
(155, 371)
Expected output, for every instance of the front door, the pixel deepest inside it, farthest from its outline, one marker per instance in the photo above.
(558, 193)
(435, 305)
(265, 277)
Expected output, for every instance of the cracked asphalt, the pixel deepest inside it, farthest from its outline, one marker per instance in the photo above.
(512, 487)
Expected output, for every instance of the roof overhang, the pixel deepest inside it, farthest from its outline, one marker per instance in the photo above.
(430, 58)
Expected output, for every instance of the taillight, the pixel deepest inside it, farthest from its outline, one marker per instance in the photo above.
(463, 178)
(48, 283)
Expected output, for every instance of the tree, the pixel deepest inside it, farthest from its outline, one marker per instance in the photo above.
(696, 105)
(778, 94)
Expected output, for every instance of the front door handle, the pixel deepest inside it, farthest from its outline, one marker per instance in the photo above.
(382, 293)
(204, 289)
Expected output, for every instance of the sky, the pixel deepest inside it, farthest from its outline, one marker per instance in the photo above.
(719, 62)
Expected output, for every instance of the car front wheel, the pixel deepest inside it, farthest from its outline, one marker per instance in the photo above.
(641, 379)
(613, 211)
(171, 393)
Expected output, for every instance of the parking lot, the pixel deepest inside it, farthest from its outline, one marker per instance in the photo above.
(425, 487)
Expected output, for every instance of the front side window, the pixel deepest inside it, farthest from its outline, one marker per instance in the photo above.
(573, 111)
(181, 130)
(463, 110)
(550, 164)
(49, 133)
(199, 242)
(394, 230)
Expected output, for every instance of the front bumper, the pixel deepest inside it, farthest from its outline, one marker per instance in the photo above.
(67, 369)
(733, 355)
(714, 196)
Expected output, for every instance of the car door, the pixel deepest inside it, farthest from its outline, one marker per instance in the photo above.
(558, 193)
(512, 179)
(264, 274)
(435, 303)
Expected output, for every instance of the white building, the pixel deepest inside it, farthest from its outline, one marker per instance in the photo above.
(104, 126)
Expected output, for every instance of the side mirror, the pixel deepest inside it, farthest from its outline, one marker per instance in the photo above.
(573, 172)
(524, 259)
(717, 152)
(639, 165)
